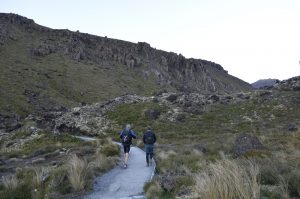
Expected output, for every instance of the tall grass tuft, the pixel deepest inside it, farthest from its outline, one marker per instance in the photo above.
(99, 160)
(227, 179)
(10, 182)
(40, 176)
(77, 172)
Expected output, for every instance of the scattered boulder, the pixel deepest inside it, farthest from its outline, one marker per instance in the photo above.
(168, 182)
(172, 97)
(42, 50)
(214, 98)
(152, 114)
(9, 123)
(201, 147)
(245, 143)
(180, 117)
(292, 127)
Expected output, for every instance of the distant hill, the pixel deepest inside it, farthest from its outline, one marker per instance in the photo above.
(264, 83)
(44, 69)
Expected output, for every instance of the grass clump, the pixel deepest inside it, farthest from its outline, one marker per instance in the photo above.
(10, 182)
(227, 179)
(78, 170)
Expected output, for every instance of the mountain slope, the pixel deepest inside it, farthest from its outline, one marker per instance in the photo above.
(46, 69)
(264, 82)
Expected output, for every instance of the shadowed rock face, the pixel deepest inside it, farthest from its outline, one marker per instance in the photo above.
(165, 68)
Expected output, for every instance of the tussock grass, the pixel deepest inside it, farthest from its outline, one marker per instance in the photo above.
(10, 182)
(40, 176)
(227, 179)
(77, 172)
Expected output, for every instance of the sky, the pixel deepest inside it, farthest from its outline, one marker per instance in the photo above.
(251, 39)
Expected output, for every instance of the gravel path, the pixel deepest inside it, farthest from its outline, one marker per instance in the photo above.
(121, 183)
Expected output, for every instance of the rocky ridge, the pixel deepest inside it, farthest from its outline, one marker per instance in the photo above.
(167, 68)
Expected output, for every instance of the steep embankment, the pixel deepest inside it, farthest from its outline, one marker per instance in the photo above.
(45, 69)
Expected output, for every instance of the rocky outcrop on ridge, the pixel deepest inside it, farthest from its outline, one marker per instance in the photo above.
(165, 68)
(292, 84)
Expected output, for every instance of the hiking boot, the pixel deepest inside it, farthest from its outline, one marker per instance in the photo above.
(125, 165)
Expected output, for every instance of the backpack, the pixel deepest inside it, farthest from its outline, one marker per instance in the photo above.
(149, 137)
(126, 138)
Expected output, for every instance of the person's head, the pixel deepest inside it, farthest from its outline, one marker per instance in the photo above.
(128, 126)
(148, 128)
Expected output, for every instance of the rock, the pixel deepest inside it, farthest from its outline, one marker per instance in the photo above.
(292, 84)
(201, 147)
(42, 50)
(38, 160)
(168, 183)
(39, 152)
(214, 98)
(265, 93)
(152, 114)
(180, 117)
(292, 127)
(245, 143)
(172, 98)
(243, 96)
(9, 122)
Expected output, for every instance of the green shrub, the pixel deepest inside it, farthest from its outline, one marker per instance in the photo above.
(110, 150)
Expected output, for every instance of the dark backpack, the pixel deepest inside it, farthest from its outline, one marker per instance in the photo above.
(126, 138)
(149, 137)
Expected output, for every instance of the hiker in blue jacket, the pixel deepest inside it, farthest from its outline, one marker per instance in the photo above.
(126, 136)
(149, 139)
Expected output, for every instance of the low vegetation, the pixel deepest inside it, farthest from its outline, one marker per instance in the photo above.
(76, 165)
(227, 179)
(197, 145)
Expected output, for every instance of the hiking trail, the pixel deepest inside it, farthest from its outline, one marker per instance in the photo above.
(124, 183)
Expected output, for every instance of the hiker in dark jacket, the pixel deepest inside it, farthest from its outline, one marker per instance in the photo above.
(126, 136)
(149, 139)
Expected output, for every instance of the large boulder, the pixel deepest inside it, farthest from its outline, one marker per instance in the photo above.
(245, 143)
(9, 122)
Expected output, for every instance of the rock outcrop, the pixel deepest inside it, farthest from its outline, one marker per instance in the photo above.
(165, 68)
(292, 84)
(92, 119)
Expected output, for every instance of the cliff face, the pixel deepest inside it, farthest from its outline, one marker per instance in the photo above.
(72, 67)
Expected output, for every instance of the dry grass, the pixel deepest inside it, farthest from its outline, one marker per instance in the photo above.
(77, 172)
(10, 182)
(283, 187)
(227, 179)
(99, 160)
(40, 176)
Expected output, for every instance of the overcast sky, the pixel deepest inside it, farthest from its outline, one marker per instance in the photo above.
(252, 39)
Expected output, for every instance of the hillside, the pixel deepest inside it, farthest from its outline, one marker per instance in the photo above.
(45, 69)
(264, 83)
(250, 139)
